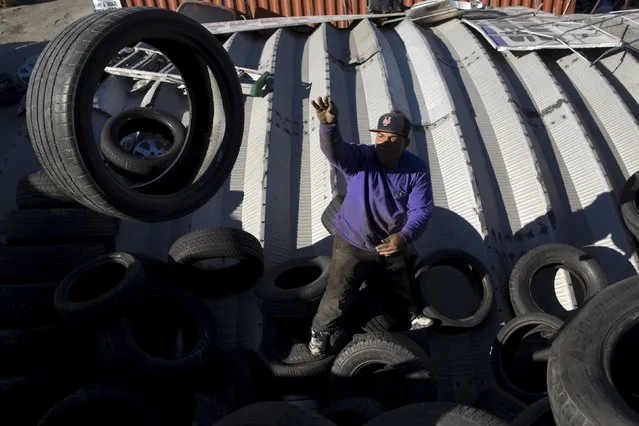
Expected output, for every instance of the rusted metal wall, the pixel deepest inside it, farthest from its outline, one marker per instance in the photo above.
(267, 8)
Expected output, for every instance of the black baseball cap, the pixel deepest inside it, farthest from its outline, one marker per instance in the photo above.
(393, 122)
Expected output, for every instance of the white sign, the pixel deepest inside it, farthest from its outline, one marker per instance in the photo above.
(99, 5)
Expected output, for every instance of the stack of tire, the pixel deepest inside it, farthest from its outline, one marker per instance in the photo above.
(46, 237)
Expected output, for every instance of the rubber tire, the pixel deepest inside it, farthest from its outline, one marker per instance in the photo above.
(330, 212)
(142, 119)
(119, 350)
(38, 191)
(295, 302)
(537, 414)
(578, 369)
(571, 258)
(123, 293)
(272, 413)
(354, 411)
(64, 81)
(384, 348)
(628, 204)
(436, 413)
(117, 396)
(54, 226)
(214, 243)
(486, 289)
(496, 401)
(294, 369)
(508, 332)
(53, 262)
(27, 305)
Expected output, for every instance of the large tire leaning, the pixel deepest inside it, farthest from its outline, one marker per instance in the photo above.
(141, 120)
(398, 367)
(293, 288)
(62, 134)
(505, 351)
(436, 413)
(273, 413)
(215, 243)
(476, 274)
(583, 365)
(104, 404)
(590, 277)
(629, 206)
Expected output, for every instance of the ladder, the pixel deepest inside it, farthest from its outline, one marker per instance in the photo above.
(146, 65)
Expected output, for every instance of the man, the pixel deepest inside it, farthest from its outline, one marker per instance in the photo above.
(387, 206)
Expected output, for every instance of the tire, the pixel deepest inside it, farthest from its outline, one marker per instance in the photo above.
(436, 413)
(274, 412)
(496, 401)
(27, 305)
(409, 362)
(473, 270)
(38, 191)
(537, 414)
(590, 277)
(506, 350)
(353, 411)
(53, 262)
(330, 212)
(101, 290)
(141, 120)
(293, 288)
(294, 369)
(69, 153)
(123, 346)
(103, 404)
(24, 349)
(215, 243)
(51, 226)
(581, 391)
(628, 204)
(369, 316)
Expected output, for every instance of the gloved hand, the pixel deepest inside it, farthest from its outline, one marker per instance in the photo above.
(326, 110)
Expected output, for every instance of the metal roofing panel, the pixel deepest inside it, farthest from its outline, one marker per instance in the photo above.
(502, 130)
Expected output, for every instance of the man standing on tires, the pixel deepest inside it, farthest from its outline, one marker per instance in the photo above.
(387, 206)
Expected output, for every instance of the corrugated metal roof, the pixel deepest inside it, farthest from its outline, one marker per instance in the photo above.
(524, 149)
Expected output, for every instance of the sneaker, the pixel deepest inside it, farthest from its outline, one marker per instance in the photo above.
(420, 321)
(327, 343)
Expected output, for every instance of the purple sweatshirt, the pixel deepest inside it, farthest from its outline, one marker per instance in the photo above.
(379, 201)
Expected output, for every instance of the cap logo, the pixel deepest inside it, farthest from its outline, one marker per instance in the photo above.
(386, 121)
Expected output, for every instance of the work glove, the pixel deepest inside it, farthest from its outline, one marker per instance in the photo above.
(326, 110)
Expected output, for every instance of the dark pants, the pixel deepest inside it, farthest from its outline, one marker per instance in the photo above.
(350, 267)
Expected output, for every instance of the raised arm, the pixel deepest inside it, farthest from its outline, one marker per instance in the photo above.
(345, 156)
(420, 208)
